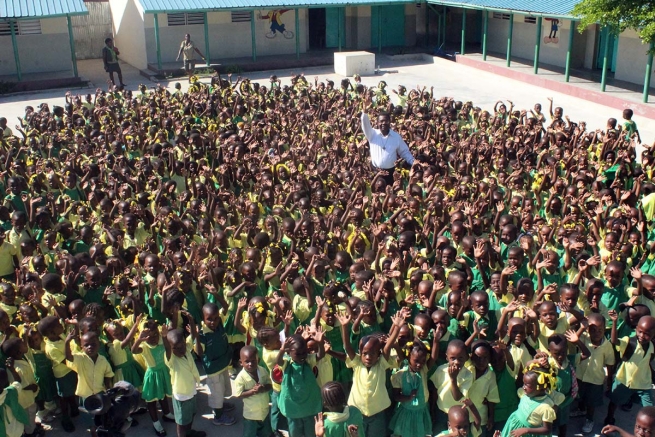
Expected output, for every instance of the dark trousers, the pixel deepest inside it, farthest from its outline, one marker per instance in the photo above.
(389, 177)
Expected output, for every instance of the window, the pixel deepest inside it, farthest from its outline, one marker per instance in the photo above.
(241, 17)
(21, 27)
(530, 20)
(186, 19)
(500, 16)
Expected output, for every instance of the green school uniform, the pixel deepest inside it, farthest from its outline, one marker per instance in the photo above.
(300, 395)
(412, 418)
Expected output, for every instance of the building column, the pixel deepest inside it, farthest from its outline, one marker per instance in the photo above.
(71, 40)
(157, 42)
(567, 70)
(537, 46)
(509, 39)
(485, 28)
(462, 49)
(379, 29)
(340, 27)
(13, 25)
(649, 71)
(208, 58)
(297, 34)
(606, 53)
(253, 35)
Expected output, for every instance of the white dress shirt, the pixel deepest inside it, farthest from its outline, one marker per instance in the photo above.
(385, 150)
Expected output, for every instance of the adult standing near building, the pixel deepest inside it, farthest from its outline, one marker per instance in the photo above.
(189, 50)
(110, 59)
(385, 145)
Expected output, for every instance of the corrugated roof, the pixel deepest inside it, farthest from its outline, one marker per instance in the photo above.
(41, 8)
(558, 8)
(151, 6)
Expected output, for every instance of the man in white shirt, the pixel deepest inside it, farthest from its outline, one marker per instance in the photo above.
(385, 145)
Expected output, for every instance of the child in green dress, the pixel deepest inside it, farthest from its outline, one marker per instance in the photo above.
(410, 390)
(157, 378)
(340, 419)
(300, 397)
(535, 414)
(120, 354)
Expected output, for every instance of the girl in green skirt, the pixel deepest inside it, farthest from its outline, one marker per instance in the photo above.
(410, 390)
(157, 378)
(535, 415)
(122, 360)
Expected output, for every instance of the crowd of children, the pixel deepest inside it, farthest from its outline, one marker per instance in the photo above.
(238, 231)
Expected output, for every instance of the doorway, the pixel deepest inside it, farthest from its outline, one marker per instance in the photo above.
(606, 37)
(316, 28)
(391, 18)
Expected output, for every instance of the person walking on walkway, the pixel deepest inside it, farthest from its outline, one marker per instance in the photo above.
(189, 50)
(110, 59)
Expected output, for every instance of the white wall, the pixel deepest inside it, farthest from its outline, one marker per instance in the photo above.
(590, 47)
(43, 53)
(632, 57)
(227, 39)
(129, 35)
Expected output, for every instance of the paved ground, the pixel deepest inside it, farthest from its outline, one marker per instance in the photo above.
(448, 78)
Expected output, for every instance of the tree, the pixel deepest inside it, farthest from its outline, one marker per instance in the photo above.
(619, 15)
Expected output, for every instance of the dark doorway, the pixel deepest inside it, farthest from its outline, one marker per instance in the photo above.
(316, 28)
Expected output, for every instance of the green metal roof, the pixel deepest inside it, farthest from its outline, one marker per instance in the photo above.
(41, 8)
(156, 6)
(547, 8)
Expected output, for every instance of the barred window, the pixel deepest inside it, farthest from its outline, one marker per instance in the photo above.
(186, 19)
(241, 17)
(21, 27)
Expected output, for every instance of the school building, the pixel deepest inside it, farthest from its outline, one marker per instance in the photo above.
(541, 32)
(149, 32)
(37, 39)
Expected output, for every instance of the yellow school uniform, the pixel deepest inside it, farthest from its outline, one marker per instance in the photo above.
(13, 427)
(254, 407)
(55, 351)
(441, 381)
(184, 375)
(369, 393)
(545, 332)
(482, 388)
(592, 370)
(521, 357)
(90, 375)
(270, 359)
(7, 254)
(635, 372)
(543, 413)
(26, 398)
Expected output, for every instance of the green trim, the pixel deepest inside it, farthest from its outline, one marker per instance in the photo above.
(14, 43)
(297, 34)
(649, 72)
(485, 30)
(509, 39)
(567, 68)
(206, 28)
(44, 17)
(463, 45)
(537, 45)
(250, 8)
(506, 11)
(606, 53)
(157, 42)
(71, 41)
(253, 35)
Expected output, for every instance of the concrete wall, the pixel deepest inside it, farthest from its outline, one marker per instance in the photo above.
(590, 47)
(129, 35)
(524, 41)
(227, 39)
(43, 53)
(631, 61)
